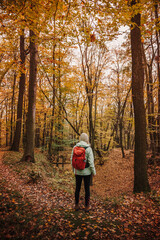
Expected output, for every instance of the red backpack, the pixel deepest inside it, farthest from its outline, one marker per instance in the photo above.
(79, 158)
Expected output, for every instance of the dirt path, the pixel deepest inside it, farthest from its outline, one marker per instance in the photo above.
(40, 195)
(115, 177)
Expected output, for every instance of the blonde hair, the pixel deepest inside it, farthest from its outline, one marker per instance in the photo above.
(84, 137)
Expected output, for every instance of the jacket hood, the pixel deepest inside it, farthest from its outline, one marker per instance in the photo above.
(82, 144)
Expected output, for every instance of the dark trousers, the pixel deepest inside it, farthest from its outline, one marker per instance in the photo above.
(86, 186)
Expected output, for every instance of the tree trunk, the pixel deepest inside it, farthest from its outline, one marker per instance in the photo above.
(95, 116)
(30, 130)
(1, 115)
(91, 128)
(111, 136)
(53, 103)
(59, 128)
(129, 128)
(141, 183)
(7, 130)
(24, 116)
(37, 133)
(17, 134)
(12, 107)
(44, 131)
(121, 136)
(121, 114)
(150, 102)
(101, 130)
(151, 120)
(158, 70)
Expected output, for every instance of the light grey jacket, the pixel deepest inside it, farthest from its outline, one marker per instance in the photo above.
(90, 159)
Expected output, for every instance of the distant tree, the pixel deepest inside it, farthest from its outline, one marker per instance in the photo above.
(53, 92)
(13, 104)
(121, 78)
(17, 134)
(148, 70)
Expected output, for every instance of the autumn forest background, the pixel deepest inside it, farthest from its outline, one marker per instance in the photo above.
(69, 67)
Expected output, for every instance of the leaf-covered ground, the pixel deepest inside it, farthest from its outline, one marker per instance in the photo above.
(37, 201)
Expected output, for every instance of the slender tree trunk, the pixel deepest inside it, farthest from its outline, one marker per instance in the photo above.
(121, 136)
(47, 136)
(119, 123)
(141, 183)
(158, 70)
(91, 128)
(24, 123)
(12, 107)
(151, 120)
(95, 115)
(37, 133)
(17, 134)
(53, 104)
(44, 131)
(129, 128)
(30, 130)
(111, 136)
(150, 102)
(121, 113)
(59, 124)
(7, 130)
(101, 130)
(1, 114)
(54, 87)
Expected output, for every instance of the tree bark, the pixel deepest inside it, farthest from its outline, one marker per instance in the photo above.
(1, 115)
(150, 102)
(7, 129)
(54, 84)
(44, 131)
(53, 103)
(37, 133)
(121, 123)
(12, 106)
(17, 134)
(24, 117)
(158, 70)
(59, 125)
(141, 183)
(30, 130)
(91, 128)
(129, 144)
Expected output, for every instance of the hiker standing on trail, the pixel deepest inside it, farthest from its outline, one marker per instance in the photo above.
(82, 160)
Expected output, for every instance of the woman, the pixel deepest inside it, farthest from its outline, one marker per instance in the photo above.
(85, 173)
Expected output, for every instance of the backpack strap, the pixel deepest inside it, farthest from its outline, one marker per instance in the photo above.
(85, 147)
(87, 164)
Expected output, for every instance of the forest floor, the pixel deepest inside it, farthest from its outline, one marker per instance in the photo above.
(37, 201)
